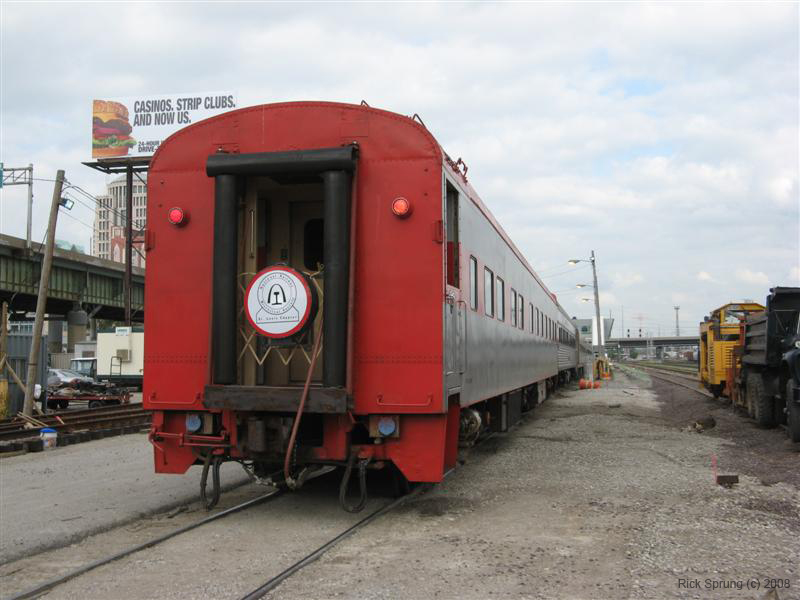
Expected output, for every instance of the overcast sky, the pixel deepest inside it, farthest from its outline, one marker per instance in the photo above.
(663, 136)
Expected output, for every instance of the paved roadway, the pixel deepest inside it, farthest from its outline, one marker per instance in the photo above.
(57, 497)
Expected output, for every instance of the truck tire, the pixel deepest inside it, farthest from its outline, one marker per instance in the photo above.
(760, 402)
(792, 413)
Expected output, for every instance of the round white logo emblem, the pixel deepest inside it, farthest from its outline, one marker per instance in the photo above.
(278, 302)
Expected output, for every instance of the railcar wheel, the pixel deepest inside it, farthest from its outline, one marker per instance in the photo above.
(761, 403)
(792, 413)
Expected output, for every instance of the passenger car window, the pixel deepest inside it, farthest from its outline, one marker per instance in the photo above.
(513, 307)
(473, 283)
(521, 305)
(488, 291)
(501, 299)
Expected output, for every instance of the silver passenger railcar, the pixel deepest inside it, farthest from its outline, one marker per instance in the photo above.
(506, 336)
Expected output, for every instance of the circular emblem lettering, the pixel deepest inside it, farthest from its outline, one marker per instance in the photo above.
(278, 302)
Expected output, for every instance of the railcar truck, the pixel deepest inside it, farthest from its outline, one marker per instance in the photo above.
(770, 361)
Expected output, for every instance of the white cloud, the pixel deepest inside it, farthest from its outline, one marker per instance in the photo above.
(627, 279)
(783, 189)
(544, 102)
(794, 275)
(748, 276)
(704, 276)
(608, 299)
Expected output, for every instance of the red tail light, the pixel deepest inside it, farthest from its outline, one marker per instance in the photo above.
(177, 216)
(401, 207)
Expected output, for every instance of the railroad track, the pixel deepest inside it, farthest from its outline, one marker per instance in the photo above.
(666, 367)
(676, 379)
(703, 392)
(688, 375)
(259, 592)
(274, 582)
(73, 421)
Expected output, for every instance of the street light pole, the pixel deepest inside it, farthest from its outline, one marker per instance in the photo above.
(602, 348)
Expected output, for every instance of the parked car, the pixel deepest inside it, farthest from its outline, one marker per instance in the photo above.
(66, 377)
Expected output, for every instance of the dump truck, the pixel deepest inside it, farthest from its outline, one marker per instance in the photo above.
(765, 371)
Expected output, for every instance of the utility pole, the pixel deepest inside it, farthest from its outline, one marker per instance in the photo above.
(3, 359)
(677, 322)
(20, 176)
(597, 308)
(128, 241)
(41, 301)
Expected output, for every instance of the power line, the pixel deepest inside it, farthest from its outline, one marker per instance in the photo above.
(559, 274)
(97, 201)
(78, 220)
(108, 207)
(135, 249)
(79, 201)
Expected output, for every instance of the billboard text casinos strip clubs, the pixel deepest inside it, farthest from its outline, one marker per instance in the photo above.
(136, 126)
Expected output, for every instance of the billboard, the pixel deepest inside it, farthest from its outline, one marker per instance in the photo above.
(136, 125)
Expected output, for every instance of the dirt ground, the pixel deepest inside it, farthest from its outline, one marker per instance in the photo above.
(766, 454)
(596, 494)
(60, 496)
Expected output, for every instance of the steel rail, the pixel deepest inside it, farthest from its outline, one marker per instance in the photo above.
(672, 372)
(693, 388)
(668, 365)
(275, 581)
(71, 415)
(133, 414)
(50, 584)
(704, 393)
(103, 421)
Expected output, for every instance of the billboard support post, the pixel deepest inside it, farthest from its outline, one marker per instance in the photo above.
(128, 241)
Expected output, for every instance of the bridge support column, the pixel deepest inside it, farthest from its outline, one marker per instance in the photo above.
(55, 337)
(76, 328)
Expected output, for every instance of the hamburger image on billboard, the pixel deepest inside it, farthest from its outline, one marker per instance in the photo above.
(111, 131)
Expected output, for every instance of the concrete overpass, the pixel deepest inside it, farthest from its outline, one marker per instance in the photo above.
(94, 283)
(652, 347)
(661, 341)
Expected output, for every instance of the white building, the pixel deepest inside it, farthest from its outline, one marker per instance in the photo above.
(588, 331)
(109, 221)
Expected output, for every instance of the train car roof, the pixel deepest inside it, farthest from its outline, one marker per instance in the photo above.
(451, 166)
(455, 172)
